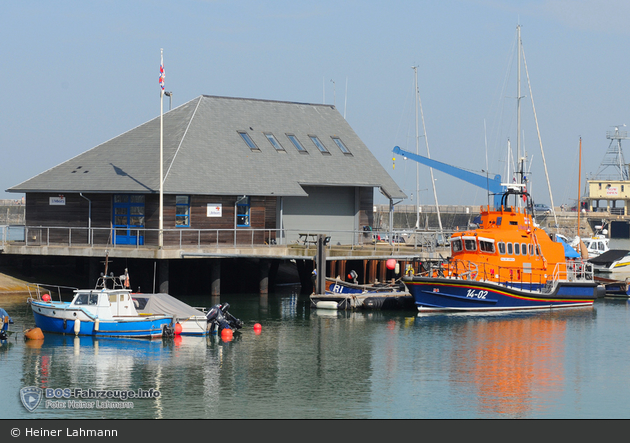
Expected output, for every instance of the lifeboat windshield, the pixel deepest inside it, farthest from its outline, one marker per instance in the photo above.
(456, 245)
(470, 243)
(486, 245)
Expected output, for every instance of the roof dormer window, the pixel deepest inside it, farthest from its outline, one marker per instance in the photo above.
(341, 145)
(248, 141)
(301, 149)
(274, 142)
(319, 144)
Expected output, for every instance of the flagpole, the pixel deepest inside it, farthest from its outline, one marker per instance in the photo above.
(161, 234)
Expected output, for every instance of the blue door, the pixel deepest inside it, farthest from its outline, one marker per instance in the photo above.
(128, 219)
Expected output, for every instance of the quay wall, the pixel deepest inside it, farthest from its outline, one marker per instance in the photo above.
(12, 212)
(454, 218)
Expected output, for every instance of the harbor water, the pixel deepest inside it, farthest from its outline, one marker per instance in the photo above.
(311, 364)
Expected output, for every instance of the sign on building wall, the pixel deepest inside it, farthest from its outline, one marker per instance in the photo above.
(612, 191)
(57, 201)
(214, 210)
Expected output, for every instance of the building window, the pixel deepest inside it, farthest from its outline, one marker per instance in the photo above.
(319, 144)
(274, 142)
(242, 211)
(128, 219)
(129, 210)
(297, 144)
(182, 211)
(341, 145)
(248, 141)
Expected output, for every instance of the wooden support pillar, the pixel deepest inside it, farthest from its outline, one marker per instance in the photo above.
(320, 283)
(365, 271)
(373, 268)
(342, 269)
(215, 277)
(382, 271)
(263, 286)
(163, 276)
(333, 268)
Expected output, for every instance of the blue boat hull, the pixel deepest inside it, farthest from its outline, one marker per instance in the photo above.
(461, 295)
(145, 328)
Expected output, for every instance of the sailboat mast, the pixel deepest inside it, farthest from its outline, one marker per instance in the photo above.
(426, 142)
(579, 202)
(518, 99)
(415, 68)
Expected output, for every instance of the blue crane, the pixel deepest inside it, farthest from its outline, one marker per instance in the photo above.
(492, 185)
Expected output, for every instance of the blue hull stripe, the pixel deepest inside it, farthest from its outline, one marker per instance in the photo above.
(140, 328)
(451, 295)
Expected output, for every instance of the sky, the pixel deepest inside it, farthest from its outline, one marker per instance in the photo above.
(76, 74)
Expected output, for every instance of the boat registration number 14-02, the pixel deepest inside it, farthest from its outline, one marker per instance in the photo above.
(476, 294)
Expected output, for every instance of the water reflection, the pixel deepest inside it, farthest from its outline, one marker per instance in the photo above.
(171, 367)
(504, 364)
(309, 363)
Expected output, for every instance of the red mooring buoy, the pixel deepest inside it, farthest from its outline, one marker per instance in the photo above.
(227, 334)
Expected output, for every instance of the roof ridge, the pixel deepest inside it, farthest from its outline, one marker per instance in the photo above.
(269, 101)
(192, 117)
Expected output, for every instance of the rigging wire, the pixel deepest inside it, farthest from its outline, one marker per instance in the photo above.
(540, 140)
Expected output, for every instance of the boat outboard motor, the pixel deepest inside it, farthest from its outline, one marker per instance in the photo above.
(234, 322)
(219, 318)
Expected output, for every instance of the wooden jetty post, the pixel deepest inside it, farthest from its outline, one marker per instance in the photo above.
(215, 277)
(263, 284)
(163, 276)
(320, 259)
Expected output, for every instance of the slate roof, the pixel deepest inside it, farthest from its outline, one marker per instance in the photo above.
(204, 154)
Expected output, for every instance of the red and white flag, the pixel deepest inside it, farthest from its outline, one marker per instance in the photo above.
(162, 74)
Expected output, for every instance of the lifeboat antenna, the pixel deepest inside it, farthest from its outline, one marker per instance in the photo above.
(553, 210)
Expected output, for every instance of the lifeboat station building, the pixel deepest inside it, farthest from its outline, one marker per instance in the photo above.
(236, 173)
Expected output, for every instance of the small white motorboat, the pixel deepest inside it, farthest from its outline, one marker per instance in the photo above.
(98, 312)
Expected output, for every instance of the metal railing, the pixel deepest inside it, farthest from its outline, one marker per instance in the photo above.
(56, 292)
(509, 276)
(219, 238)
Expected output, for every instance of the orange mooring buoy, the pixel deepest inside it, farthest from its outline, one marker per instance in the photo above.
(34, 334)
(227, 334)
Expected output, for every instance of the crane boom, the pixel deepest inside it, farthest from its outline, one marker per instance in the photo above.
(492, 185)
